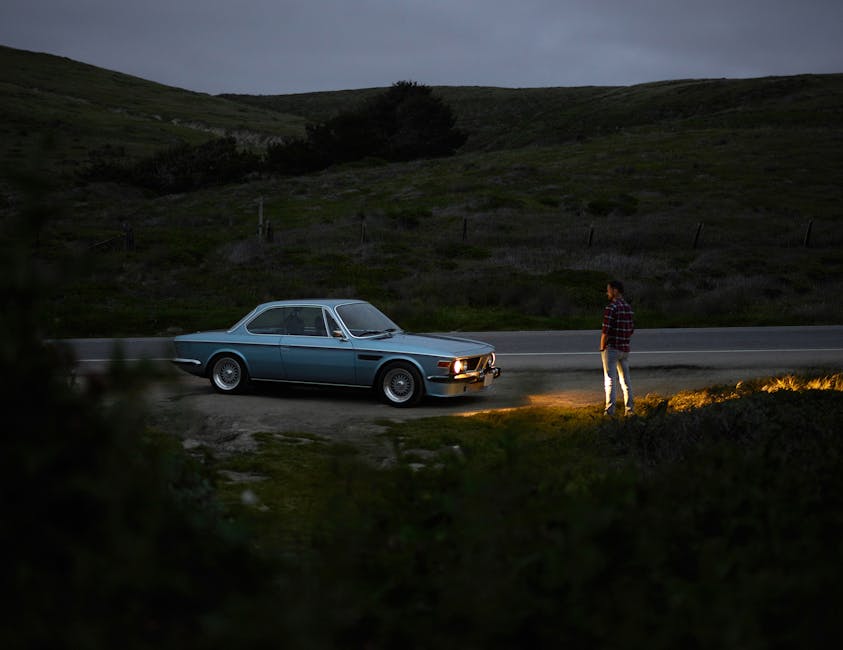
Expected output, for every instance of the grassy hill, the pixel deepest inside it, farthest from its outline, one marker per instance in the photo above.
(718, 201)
(84, 108)
(510, 118)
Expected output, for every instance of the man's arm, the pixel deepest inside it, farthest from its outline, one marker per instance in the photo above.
(607, 324)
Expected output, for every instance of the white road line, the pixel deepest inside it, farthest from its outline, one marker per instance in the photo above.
(637, 352)
(110, 359)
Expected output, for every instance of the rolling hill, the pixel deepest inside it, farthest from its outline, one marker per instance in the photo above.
(719, 201)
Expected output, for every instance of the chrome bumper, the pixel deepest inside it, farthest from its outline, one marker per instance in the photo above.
(451, 386)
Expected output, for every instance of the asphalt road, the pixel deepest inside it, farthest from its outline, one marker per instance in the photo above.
(551, 368)
(772, 348)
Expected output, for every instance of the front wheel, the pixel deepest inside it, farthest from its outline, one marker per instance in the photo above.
(401, 385)
(228, 374)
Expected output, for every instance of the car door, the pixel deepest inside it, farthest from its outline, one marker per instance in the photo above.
(311, 353)
(262, 345)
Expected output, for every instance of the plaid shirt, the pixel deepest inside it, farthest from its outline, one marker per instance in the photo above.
(618, 324)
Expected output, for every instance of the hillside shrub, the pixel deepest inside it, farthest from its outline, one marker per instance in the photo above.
(181, 168)
(406, 122)
(622, 204)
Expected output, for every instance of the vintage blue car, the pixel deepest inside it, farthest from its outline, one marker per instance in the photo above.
(336, 343)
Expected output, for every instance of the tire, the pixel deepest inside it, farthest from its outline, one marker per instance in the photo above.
(228, 374)
(400, 384)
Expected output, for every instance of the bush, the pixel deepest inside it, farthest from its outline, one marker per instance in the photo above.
(182, 168)
(406, 122)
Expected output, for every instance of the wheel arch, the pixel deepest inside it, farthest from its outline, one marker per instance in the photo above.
(225, 352)
(399, 358)
(400, 382)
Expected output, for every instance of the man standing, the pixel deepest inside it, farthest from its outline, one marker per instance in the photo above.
(618, 326)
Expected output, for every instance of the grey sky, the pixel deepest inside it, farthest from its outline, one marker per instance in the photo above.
(283, 46)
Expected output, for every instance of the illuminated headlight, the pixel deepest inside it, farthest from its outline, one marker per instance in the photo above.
(454, 367)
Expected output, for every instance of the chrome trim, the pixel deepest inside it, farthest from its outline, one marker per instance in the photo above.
(466, 377)
(187, 362)
(309, 383)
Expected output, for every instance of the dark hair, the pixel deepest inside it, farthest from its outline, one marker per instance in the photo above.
(616, 284)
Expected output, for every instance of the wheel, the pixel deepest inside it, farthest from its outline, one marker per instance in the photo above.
(401, 385)
(228, 374)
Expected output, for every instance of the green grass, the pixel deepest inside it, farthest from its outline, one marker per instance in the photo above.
(85, 108)
(707, 518)
(495, 237)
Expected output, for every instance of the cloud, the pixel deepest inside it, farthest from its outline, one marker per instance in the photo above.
(265, 46)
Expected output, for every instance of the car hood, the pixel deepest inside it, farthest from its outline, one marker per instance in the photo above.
(430, 344)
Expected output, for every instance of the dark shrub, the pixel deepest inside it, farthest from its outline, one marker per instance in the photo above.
(404, 123)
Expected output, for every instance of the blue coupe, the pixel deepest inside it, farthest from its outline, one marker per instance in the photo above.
(336, 343)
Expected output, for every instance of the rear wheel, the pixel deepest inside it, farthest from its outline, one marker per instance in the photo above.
(228, 374)
(400, 384)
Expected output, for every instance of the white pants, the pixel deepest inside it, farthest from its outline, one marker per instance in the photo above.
(616, 367)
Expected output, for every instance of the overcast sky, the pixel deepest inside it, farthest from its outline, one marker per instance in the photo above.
(285, 46)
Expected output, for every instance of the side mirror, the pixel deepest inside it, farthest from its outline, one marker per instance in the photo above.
(337, 334)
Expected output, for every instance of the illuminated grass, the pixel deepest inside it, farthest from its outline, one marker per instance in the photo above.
(688, 400)
(800, 383)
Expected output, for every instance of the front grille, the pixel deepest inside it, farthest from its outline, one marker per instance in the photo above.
(475, 363)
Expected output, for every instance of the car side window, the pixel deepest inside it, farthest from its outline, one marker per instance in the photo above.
(333, 326)
(269, 322)
(295, 321)
(306, 321)
(319, 328)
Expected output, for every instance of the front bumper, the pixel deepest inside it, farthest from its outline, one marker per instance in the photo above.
(452, 385)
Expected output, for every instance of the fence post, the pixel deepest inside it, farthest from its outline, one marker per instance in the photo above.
(128, 237)
(362, 217)
(807, 242)
(697, 236)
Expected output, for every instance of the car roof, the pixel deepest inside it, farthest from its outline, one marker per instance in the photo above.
(327, 302)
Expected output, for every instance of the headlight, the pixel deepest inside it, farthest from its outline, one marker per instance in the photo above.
(454, 367)
(492, 359)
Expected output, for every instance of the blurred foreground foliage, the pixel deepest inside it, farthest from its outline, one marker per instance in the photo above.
(112, 537)
(708, 521)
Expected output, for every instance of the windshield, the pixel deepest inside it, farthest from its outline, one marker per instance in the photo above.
(362, 319)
